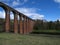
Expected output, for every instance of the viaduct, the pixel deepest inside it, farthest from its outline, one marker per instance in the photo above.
(25, 23)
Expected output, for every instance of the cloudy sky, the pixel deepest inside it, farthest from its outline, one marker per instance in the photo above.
(35, 9)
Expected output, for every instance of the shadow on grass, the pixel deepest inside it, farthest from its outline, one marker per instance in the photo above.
(46, 34)
(51, 33)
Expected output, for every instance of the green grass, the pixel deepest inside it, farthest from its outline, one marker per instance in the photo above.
(50, 31)
(18, 39)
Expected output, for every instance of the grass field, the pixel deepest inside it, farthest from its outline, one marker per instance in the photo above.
(31, 39)
(49, 31)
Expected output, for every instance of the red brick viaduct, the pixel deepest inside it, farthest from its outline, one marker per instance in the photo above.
(25, 24)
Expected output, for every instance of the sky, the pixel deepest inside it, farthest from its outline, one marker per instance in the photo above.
(36, 9)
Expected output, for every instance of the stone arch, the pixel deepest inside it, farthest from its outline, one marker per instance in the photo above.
(2, 6)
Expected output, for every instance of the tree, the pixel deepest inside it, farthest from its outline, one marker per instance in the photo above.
(57, 25)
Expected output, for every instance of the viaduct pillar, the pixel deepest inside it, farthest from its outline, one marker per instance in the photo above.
(15, 23)
(7, 20)
(24, 25)
(20, 23)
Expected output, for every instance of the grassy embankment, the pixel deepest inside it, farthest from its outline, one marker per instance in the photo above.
(17, 39)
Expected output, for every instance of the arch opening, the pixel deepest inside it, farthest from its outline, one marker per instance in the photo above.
(23, 24)
(18, 24)
(2, 19)
(11, 22)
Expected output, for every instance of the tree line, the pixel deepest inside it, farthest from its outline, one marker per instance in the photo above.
(46, 25)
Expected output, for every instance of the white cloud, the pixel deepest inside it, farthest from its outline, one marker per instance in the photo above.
(18, 2)
(26, 10)
(30, 12)
(2, 14)
(37, 16)
(59, 19)
(15, 3)
(57, 1)
(11, 15)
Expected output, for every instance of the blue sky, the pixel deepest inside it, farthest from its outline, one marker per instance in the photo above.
(35, 9)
